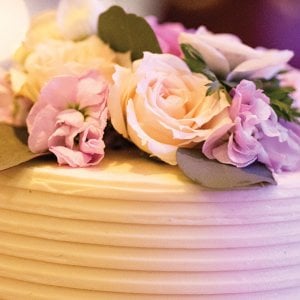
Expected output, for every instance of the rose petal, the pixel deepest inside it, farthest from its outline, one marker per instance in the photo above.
(165, 152)
(265, 66)
(212, 57)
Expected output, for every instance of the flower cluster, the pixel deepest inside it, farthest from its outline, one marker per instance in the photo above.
(233, 103)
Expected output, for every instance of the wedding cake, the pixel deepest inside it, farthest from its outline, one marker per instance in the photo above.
(137, 229)
(203, 202)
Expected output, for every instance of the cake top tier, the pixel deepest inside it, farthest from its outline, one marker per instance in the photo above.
(84, 78)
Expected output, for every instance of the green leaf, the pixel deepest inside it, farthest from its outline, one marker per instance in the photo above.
(13, 148)
(127, 32)
(214, 87)
(280, 99)
(195, 61)
(213, 174)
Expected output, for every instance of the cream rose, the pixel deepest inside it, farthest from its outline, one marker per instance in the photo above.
(228, 57)
(161, 105)
(58, 57)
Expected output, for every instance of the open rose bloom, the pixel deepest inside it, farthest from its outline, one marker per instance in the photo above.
(161, 105)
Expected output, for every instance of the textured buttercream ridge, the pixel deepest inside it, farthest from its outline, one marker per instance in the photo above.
(149, 282)
(156, 236)
(160, 181)
(149, 259)
(157, 212)
(8, 288)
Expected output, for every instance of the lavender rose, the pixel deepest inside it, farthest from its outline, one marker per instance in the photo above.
(228, 57)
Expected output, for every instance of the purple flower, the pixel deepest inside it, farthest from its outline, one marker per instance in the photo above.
(255, 134)
(69, 119)
(167, 35)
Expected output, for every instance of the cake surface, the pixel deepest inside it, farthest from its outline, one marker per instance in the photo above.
(132, 228)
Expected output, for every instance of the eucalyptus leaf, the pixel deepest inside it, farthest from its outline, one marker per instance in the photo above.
(13, 148)
(127, 32)
(213, 174)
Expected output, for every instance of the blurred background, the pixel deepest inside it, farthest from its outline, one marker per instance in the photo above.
(267, 23)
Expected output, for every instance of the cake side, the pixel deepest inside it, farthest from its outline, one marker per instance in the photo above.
(94, 235)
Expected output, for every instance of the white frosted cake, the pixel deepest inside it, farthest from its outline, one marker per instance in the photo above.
(111, 224)
(136, 229)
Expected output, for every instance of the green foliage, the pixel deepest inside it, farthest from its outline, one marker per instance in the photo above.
(280, 98)
(196, 63)
(213, 174)
(13, 148)
(127, 32)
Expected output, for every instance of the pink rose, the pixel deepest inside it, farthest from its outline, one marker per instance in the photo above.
(254, 135)
(69, 119)
(167, 35)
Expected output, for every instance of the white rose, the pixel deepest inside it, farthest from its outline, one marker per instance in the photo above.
(161, 105)
(229, 58)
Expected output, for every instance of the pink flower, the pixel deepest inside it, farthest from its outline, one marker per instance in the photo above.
(167, 35)
(255, 134)
(13, 110)
(69, 119)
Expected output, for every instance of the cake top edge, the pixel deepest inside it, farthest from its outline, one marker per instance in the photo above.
(86, 79)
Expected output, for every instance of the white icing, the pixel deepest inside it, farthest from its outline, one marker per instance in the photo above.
(135, 227)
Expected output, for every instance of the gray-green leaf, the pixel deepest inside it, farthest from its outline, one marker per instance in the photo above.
(127, 32)
(213, 174)
(13, 148)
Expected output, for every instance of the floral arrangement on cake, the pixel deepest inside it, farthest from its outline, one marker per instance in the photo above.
(204, 101)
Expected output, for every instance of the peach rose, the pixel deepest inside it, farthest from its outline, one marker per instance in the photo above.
(161, 105)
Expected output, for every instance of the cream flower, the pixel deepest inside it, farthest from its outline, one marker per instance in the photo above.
(77, 19)
(161, 105)
(58, 57)
(73, 20)
(43, 27)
